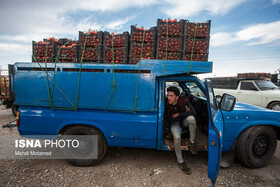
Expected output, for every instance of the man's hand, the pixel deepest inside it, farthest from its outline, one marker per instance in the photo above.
(175, 115)
(188, 109)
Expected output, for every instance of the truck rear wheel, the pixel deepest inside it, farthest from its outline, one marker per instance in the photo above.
(102, 145)
(14, 109)
(256, 146)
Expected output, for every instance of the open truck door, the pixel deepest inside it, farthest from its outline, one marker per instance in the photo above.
(215, 135)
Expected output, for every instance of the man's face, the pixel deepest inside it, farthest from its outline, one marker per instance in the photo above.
(172, 98)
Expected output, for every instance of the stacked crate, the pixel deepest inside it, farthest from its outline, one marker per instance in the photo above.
(115, 48)
(90, 47)
(170, 41)
(68, 50)
(196, 44)
(253, 75)
(147, 44)
(44, 51)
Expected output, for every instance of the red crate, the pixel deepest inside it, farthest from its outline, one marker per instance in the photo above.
(195, 57)
(173, 43)
(170, 27)
(198, 45)
(120, 55)
(90, 54)
(120, 40)
(202, 29)
(149, 36)
(92, 38)
(44, 49)
(68, 54)
(43, 59)
(148, 51)
(161, 55)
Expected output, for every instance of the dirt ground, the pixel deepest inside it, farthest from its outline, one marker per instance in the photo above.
(130, 167)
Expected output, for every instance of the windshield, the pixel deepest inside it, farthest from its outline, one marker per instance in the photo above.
(194, 89)
(266, 85)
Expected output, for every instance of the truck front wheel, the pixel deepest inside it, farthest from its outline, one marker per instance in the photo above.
(275, 106)
(102, 145)
(256, 146)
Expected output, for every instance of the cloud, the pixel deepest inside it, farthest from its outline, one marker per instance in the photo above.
(254, 35)
(118, 24)
(183, 8)
(260, 33)
(275, 2)
(222, 38)
(15, 48)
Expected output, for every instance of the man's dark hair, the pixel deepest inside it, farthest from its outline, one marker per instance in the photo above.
(173, 89)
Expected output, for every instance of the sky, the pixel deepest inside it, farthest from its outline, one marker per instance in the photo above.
(245, 34)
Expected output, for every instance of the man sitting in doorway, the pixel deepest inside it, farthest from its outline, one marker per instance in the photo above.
(180, 114)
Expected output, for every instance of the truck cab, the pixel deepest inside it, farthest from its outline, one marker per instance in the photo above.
(126, 112)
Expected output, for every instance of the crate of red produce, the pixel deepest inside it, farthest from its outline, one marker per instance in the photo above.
(68, 54)
(149, 36)
(172, 27)
(43, 59)
(92, 38)
(161, 55)
(253, 75)
(131, 61)
(44, 49)
(197, 45)
(148, 51)
(90, 54)
(195, 57)
(120, 55)
(51, 39)
(119, 40)
(69, 42)
(173, 43)
(198, 29)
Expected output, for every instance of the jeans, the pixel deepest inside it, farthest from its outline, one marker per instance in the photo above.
(176, 131)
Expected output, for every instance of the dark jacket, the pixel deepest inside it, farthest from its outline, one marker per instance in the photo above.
(180, 108)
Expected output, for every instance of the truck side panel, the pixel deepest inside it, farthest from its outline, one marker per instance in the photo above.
(119, 128)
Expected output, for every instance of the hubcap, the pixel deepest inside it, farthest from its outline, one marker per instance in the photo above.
(260, 145)
(276, 107)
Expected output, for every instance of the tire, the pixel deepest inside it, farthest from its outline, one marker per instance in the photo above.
(102, 144)
(275, 106)
(14, 109)
(256, 146)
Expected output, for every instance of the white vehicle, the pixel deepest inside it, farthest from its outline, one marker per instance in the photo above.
(260, 92)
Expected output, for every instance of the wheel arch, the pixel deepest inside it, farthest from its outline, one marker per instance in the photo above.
(235, 141)
(270, 102)
(276, 128)
(64, 127)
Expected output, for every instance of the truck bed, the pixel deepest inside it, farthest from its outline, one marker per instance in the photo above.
(96, 86)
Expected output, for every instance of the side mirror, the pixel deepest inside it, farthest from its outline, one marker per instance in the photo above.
(227, 102)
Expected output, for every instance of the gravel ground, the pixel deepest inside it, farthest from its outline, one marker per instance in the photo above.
(130, 167)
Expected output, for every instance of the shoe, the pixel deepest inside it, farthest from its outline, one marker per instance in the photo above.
(193, 148)
(185, 168)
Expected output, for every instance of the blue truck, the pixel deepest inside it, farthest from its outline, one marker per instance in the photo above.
(123, 105)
